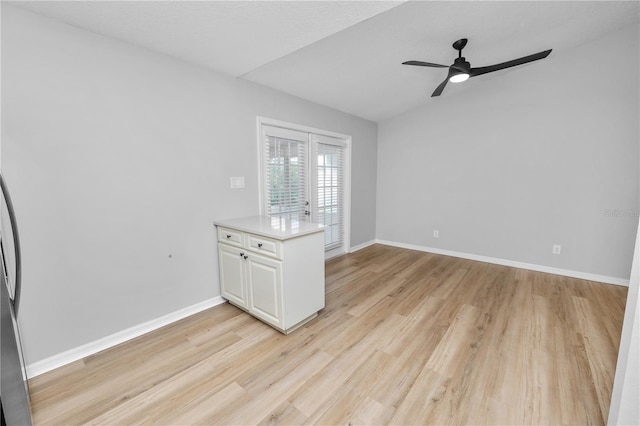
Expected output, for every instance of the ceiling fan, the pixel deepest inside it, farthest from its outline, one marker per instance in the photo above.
(461, 70)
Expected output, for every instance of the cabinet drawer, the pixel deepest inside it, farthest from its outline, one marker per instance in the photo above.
(265, 246)
(230, 237)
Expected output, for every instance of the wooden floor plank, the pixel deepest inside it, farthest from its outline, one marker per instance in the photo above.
(405, 338)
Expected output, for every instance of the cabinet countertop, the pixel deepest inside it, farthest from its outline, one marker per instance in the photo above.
(272, 227)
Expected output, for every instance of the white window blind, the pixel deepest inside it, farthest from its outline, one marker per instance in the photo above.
(328, 207)
(285, 173)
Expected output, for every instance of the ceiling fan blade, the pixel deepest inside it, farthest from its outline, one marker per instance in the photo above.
(509, 64)
(424, 64)
(441, 86)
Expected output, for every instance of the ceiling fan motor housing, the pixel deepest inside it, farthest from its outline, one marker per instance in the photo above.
(460, 64)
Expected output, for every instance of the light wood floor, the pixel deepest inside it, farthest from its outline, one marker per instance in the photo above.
(406, 338)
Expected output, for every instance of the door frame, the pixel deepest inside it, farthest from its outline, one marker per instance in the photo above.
(347, 168)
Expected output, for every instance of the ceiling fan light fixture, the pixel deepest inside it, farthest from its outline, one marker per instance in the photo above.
(460, 70)
(459, 78)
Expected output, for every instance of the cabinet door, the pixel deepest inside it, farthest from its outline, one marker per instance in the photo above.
(232, 275)
(265, 286)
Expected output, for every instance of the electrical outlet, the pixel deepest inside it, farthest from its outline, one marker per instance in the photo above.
(436, 234)
(556, 249)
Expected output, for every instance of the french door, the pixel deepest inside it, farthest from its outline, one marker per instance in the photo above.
(304, 178)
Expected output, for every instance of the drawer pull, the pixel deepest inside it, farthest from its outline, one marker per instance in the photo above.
(246, 257)
(259, 245)
(241, 254)
(228, 236)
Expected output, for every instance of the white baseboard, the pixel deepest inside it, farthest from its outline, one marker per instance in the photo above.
(51, 363)
(539, 268)
(361, 246)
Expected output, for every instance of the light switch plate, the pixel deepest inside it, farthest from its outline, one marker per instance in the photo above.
(237, 182)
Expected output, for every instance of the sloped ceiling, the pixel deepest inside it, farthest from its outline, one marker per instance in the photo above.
(347, 54)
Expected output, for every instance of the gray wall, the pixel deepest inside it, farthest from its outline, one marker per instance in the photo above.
(517, 161)
(118, 157)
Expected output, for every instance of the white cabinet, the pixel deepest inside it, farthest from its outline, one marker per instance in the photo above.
(264, 281)
(233, 275)
(272, 268)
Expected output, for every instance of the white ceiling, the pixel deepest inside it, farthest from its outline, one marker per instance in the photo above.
(346, 54)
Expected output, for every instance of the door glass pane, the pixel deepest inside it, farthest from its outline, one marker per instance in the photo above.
(286, 183)
(329, 190)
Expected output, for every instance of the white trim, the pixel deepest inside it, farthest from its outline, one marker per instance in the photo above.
(328, 255)
(261, 201)
(335, 253)
(347, 195)
(329, 140)
(283, 133)
(361, 246)
(53, 362)
(504, 262)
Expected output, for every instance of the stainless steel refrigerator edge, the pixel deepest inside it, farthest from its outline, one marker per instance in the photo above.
(14, 391)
